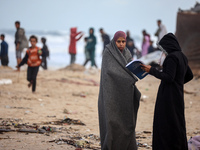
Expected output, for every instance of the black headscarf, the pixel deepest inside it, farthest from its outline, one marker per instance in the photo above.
(169, 43)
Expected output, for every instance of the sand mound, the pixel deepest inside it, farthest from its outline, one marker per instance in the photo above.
(74, 67)
(6, 67)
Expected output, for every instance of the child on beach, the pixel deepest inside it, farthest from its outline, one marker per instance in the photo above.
(32, 58)
(45, 53)
(87, 54)
(72, 46)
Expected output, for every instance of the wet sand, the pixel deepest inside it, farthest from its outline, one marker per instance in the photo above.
(72, 93)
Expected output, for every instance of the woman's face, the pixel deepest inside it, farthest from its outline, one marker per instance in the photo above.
(121, 43)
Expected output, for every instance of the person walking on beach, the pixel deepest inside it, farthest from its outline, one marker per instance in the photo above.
(21, 42)
(45, 53)
(32, 58)
(72, 45)
(119, 97)
(91, 43)
(105, 38)
(130, 44)
(169, 129)
(145, 42)
(87, 54)
(4, 51)
(151, 48)
(161, 31)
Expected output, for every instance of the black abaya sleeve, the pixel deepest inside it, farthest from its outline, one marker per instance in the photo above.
(169, 71)
(188, 75)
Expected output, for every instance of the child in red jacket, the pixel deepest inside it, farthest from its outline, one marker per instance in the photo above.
(72, 46)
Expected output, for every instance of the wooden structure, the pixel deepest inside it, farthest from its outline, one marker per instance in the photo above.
(188, 35)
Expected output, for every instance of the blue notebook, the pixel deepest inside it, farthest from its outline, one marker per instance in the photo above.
(135, 67)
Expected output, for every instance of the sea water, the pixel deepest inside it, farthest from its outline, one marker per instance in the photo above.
(58, 43)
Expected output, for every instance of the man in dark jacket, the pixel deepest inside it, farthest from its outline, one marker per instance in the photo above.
(91, 43)
(130, 43)
(45, 53)
(4, 51)
(105, 38)
(169, 129)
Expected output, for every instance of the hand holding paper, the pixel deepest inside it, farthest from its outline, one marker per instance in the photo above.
(136, 68)
(145, 67)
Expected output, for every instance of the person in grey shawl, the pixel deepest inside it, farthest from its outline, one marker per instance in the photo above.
(119, 97)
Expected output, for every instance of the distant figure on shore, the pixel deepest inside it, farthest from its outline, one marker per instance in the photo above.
(91, 43)
(119, 97)
(161, 31)
(105, 38)
(4, 51)
(145, 42)
(151, 48)
(130, 44)
(169, 129)
(45, 53)
(21, 42)
(87, 54)
(72, 45)
(32, 58)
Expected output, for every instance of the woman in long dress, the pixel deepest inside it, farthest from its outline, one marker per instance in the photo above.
(169, 129)
(118, 97)
(145, 43)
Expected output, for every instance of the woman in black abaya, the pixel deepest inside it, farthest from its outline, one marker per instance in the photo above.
(169, 129)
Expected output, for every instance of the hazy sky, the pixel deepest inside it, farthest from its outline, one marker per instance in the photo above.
(112, 15)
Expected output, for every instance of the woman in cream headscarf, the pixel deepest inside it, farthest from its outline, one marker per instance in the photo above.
(118, 97)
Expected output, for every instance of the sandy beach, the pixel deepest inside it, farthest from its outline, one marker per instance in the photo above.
(63, 113)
